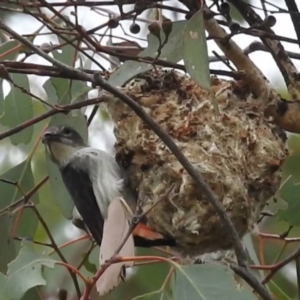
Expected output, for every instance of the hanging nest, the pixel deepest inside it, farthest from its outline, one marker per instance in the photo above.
(237, 151)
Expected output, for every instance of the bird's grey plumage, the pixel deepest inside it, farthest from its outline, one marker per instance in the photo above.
(92, 176)
(97, 185)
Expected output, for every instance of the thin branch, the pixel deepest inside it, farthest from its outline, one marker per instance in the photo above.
(62, 109)
(281, 58)
(55, 247)
(295, 16)
(25, 198)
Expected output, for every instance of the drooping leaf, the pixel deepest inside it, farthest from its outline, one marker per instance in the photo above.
(79, 91)
(171, 52)
(7, 250)
(67, 55)
(24, 273)
(88, 264)
(207, 282)
(51, 92)
(27, 225)
(60, 192)
(290, 193)
(195, 53)
(18, 109)
(76, 92)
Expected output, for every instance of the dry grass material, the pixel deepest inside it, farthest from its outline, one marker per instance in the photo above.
(237, 151)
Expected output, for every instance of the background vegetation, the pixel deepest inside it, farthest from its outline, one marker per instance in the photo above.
(35, 212)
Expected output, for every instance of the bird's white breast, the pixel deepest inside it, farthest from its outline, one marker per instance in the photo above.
(104, 173)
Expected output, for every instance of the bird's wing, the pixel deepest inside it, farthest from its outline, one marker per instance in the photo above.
(80, 187)
(104, 173)
(116, 227)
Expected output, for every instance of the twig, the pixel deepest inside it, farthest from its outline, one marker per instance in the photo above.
(279, 237)
(24, 198)
(256, 81)
(118, 259)
(281, 58)
(63, 109)
(276, 267)
(91, 247)
(295, 16)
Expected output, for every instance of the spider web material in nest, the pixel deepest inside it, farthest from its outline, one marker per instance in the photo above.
(238, 152)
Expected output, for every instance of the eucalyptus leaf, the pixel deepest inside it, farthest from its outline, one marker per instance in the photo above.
(171, 52)
(79, 91)
(9, 45)
(31, 294)
(24, 273)
(18, 108)
(67, 55)
(291, 167)
(58, 188)
(195, 53)
(293, 143)
(155, 295)
(277, 291)
(207, 282)
(290, 193)
(27, 225)
(248, 242)
(52, 96)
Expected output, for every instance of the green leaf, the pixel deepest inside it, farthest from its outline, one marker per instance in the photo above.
(67, 55)
(88, 264)
(195, 54)
(290, 193)
(8, 46)
(24, 273)
(79, 91)
(247, 241)
(277, 291)
(27, 225)
(291, 167)
(52, 96)
(207, 282)
(293, 144)
(58, 94)
(171, 52)
(155, 295)
(58, 188)
(18, 109)
(7, 250)
(32, 294)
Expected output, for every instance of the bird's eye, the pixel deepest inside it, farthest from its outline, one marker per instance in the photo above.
(67, 131)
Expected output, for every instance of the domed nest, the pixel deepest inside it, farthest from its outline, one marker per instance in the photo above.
(237, 151)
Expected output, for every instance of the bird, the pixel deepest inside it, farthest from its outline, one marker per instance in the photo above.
(102, 195)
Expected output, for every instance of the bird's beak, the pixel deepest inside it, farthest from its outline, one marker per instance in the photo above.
(48, 135)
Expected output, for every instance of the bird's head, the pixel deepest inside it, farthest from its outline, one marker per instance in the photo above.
(61, 141)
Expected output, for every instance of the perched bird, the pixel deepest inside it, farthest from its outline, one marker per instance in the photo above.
(98, 185)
